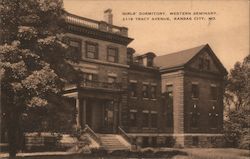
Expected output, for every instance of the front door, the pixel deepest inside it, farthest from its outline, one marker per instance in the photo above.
(108, 126)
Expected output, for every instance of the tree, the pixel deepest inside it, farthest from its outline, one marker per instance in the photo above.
(237, 98)
(33, 59)
(238, 85)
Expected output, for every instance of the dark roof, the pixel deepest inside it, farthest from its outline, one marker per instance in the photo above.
(177, 59)
(148, 54)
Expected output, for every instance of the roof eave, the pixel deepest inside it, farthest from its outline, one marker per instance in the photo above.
(171, 69)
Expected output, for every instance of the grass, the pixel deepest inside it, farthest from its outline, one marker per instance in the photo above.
(215, 153)
(166, 153)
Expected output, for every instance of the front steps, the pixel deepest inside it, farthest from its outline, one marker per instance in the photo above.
(113, 142)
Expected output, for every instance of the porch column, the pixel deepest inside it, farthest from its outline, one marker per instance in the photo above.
(116, 118)
(78, 113)
(84, 113)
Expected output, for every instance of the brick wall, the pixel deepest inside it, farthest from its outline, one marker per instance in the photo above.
(177, 80)
(141, 104)
(102, 48)
(204, 103)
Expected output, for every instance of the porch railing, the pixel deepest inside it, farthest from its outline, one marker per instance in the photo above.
(124, 134)
(92, 134)
(99, 25)
(98, 84)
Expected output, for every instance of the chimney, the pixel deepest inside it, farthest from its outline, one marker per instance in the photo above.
(108, 16)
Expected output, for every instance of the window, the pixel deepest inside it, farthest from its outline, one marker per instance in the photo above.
(194, 116)
(195, 91)
(169, 103)
(111, 79)
(213, 92)
(144, 61)
(204, 63)
(129, 58)
(145, 119)
(75, 46)
(169, 119)
(153, 92)
(133, 117)
(207, 64)
(154, 120)
(112, 54)
(145, 91)
(150, 62)
(145, 141)
(195, 141)
(90, 77)
(213, 116)
(91, 50)
(201, 63)
(133, 89)
(169, 91)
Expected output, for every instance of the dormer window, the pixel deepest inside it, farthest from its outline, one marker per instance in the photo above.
(130, 52)
(150, 62)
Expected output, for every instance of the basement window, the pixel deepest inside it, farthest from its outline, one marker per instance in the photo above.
(195, 141)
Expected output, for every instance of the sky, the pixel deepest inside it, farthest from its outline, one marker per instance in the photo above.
(227, 33)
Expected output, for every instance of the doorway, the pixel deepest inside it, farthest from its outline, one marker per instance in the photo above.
(108, 113)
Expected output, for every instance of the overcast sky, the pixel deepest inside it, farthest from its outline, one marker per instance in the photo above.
(228, 34)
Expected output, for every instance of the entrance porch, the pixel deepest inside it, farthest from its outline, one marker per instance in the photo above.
(99, 108)
(99, 114)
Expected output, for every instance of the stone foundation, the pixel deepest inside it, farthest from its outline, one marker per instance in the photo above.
(178, 140)
(204, 140)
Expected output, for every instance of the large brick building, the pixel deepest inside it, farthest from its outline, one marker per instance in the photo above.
(173, 100)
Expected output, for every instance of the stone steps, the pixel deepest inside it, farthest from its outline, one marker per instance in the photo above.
(111, 142)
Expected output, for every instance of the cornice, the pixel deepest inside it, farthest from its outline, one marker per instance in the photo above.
(98, 34)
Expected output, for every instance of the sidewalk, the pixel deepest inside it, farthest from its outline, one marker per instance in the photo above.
(37, 154)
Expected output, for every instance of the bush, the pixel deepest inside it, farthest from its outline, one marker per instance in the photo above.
(99, 152)
(234, 128)
(245, 142)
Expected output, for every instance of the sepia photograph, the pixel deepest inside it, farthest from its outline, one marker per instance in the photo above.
(124, 79)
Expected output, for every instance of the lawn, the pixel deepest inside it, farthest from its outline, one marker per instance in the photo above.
(187, 153)
(212, 153)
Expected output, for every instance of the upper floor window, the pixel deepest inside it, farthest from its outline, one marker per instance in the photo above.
(169, 96)
(129, 58)
(133, 117)
(169, 122)
(90, 76)
(112, 54)
(111, 79)
(204, 63)
(76, 45)
(149, 62)
(153, 92)
(214, 92)
(201, 63)
(91, 50)
(145, 119)
(145, 91)
(154, 120)
(169, 91)
(195, 91)
(133, 89)
(207, 64)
